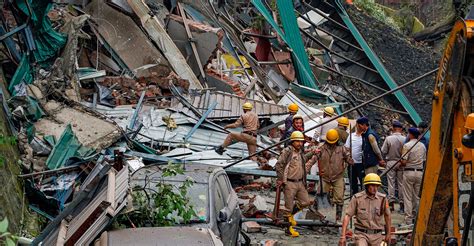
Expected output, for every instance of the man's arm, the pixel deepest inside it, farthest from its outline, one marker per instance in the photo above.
(280, 164)
(236, 124)
(345, 222)
(376, 149)
(312, 160)
(388, 222)
(347, 155)
(385, 147)
(404, 160)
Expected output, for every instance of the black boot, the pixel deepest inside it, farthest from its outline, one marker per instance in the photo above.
(219, 150)
(392, 206)
(402, 208)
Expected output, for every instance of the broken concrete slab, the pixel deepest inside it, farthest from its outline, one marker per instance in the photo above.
(91, 130)
(161, 38)
(125, 37)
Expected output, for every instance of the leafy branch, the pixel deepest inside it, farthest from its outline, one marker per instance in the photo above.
(8, 238)
(166, 206)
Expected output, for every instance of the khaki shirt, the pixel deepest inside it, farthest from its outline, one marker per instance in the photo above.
(392, 146)
(368, 211)
(416, 156)
(249, 120)
(342, 135)
(332, 159)
(295, 168)
(287, 164)
(320, 133)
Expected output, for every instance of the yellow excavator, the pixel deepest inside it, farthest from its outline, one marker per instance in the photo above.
(445, 211)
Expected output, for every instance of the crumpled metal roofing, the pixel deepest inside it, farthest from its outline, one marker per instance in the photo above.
(228, 106)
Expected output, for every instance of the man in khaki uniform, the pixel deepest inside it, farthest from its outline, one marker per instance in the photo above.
(392, 150)
(250, 123)
(368, 207)
(291, 175)
(332, 163)
(412, 173)
(342, 125)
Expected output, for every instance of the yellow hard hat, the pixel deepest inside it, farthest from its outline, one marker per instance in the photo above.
(343, 121)
(293, 108)
(297, 136)
(332, 136)
(329, 111)
(372, 178)
(297, 116)
(247, 105)
(470, 122)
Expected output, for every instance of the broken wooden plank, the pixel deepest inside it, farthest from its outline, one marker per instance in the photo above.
(159, 35)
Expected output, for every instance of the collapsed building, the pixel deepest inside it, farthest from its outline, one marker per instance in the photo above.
(96, 90)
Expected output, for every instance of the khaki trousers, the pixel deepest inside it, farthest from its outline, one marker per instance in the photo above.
(411, 193)
(293, 190)
(364, 239)
(251, 142)
(336, 188)
(373, 169)
(394, 177)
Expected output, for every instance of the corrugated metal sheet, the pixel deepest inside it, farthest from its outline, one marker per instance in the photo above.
(228, 106)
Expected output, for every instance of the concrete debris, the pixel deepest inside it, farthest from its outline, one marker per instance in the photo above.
(141, 87)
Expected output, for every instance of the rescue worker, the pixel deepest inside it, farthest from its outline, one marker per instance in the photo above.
(371, 154)
(293, 110)
(320, 133)
(332, 159)
(297, 125)
(249, 121)
(342, 125)
(368, 207)
(291, 175)
(392, 150)
(356, 171)
(412, 173)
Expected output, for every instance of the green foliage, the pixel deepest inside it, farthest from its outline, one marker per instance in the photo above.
(374, 10)
(7, 237)
(166, 206)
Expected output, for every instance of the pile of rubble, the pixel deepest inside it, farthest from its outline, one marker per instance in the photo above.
(102, 89)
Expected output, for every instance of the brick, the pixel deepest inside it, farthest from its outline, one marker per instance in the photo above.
(251, 227)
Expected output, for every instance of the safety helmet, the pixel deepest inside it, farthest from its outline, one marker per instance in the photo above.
(332, 136)
(297, 116)
(329, 111)
(293, 108)
(372, 178)
(470, 122)
(343, 121)
(247, 106)
(297, 136)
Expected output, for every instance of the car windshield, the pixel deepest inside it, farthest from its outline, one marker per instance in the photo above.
(198, 196)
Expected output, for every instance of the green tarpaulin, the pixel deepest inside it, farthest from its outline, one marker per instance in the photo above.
(67, 147)
(48, 41)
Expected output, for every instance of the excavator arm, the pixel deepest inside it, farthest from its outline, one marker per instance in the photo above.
(447, 181)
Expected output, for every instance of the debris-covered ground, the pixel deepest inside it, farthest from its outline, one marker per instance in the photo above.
(115, 110)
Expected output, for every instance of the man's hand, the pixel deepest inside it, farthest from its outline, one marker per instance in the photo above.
(342, 240)
(279, 183)
(387, 238)
(225, 127)
(382, 163)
